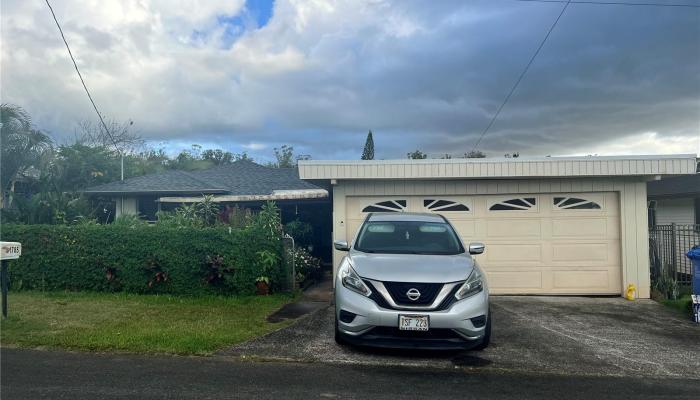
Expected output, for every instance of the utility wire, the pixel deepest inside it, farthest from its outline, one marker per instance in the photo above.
(520, 78)
(615, 3)
(81, 79)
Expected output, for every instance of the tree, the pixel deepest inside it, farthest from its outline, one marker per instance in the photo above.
(147, 161)
(78, 166)
(23, 147)
(417, 155)
(475, 154)
(120, 137)
(197, 159)
(368, 152)
(284, 156)
(217, 156)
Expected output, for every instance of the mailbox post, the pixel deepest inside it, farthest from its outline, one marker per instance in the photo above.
(9, 251)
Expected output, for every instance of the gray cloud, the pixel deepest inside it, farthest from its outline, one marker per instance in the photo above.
(425, 75)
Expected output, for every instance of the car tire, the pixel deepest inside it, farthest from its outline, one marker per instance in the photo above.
(486, 340)
(339, 336)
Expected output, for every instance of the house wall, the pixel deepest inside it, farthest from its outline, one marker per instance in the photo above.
(631, 191)
(675, 211)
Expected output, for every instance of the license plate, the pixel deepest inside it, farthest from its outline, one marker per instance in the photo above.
(413, 322)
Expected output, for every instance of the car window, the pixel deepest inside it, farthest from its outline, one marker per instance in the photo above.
(408, 237)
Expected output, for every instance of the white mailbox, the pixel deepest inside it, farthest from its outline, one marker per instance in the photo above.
(10, 250)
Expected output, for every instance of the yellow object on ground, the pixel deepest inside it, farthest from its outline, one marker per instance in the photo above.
(631, 291)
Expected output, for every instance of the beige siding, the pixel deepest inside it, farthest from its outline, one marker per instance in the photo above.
(675, 211)
(631, 193)
(502, 168)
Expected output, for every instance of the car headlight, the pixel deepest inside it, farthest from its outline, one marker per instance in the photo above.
(351, 280)
(473, 285)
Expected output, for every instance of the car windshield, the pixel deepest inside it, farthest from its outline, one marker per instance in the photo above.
(408, 237)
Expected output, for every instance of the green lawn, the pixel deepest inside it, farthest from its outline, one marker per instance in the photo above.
(136, 323)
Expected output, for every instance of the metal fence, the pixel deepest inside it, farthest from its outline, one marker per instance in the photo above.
(668, 245)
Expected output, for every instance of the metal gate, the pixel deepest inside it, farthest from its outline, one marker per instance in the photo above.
(668, 245)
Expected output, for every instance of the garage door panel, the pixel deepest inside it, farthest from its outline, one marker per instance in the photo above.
(514, 252)
(579, 227)
(510, 227)
(514, 279)
(583, 279)
(580, 252)
(465, 229)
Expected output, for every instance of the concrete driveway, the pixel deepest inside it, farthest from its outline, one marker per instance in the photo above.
(552, 335)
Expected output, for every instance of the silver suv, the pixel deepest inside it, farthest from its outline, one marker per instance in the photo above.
(408, 282)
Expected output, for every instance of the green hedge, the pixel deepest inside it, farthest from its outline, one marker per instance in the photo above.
(141, 258)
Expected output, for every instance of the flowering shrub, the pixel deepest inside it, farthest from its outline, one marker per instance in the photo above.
(307, 267)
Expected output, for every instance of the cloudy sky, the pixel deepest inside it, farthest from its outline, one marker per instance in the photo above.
(252, 75)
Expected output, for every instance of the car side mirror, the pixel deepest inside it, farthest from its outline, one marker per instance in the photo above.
(476, 248)
(341, 245)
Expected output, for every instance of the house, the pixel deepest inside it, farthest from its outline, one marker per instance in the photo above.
(560, 226)
(674, 200)
(674, 212)
(242, 183)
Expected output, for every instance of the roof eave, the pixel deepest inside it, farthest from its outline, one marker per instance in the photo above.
(136, 192)
(303, 194)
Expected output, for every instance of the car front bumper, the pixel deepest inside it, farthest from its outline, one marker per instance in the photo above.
(376, 326)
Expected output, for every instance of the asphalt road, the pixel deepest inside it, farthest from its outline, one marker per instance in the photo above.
(29, 374)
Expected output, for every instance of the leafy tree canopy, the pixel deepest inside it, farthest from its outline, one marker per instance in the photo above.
(417, 155)
(23, 146)
(284, 156)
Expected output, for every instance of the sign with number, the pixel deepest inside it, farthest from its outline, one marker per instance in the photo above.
(413, 322)
(10, 250)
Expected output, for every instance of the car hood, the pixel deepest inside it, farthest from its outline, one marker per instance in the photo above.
(412, 267)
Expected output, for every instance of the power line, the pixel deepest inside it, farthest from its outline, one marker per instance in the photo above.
(615, 3)
(81, 79)
(520, 78)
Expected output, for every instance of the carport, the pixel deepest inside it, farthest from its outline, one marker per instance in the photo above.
(575, 225)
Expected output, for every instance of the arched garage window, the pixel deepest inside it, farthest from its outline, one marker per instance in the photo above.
(574, 203)
(386, 206)
(519, 204)
(444, 205)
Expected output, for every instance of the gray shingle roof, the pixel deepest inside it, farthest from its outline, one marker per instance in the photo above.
(239, 178)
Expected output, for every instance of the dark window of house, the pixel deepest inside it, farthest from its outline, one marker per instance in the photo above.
(444, 205)
(386, 206)
(573, 203)
(148, 207)
(519, 204)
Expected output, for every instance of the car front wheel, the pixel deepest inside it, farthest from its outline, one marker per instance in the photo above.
(339, 336)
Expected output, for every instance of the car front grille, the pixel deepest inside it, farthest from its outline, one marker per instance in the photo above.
(383, 303)
(428, 292)
(376, 296)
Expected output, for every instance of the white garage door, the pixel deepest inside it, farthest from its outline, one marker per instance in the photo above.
(540, 243)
